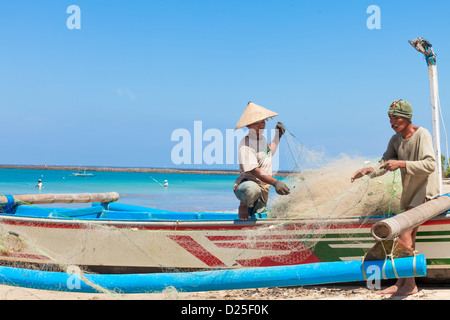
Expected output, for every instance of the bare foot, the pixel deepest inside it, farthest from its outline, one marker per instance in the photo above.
(394, 288)
(408, 288)
(405, 291)
(390, 290)
(243, 212)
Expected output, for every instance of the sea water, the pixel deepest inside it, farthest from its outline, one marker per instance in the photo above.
(185, 192)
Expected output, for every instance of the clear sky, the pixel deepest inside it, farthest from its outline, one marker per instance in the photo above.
(113, 92)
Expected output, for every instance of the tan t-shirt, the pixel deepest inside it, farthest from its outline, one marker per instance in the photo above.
(420, 178)
(254, 153)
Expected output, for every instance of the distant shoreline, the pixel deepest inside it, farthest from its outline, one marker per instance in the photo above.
(128, 169)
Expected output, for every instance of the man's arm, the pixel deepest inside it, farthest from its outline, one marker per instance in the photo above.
(280, 187)
(361, 173)
(264, 177)
(280, 130)
(392, 165)
(387, 162)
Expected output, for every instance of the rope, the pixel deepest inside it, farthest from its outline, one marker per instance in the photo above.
(364, 268)
(414, 263)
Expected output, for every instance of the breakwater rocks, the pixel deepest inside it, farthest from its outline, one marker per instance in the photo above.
(129, 169)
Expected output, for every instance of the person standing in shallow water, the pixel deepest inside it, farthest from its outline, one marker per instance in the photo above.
(39, 184)
(255, 162)
(411, 151)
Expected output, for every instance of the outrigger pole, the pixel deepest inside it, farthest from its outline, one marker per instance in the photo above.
(424, 46)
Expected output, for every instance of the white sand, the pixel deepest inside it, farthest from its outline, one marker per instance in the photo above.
(295, 293)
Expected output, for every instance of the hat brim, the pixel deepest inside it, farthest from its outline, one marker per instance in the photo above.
(254, 113)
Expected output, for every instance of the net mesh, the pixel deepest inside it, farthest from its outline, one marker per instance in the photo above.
(323, 219)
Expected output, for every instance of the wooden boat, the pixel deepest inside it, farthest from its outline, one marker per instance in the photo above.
(118, 238)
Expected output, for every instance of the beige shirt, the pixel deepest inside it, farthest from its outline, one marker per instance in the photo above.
(254, 153)
(420, 178)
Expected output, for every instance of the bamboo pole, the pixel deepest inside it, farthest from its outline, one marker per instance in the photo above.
(62, 198)
(390, 228)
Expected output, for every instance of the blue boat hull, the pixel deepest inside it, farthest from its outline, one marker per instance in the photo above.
(296, 275)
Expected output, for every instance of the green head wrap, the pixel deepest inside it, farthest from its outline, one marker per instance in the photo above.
(401, 108)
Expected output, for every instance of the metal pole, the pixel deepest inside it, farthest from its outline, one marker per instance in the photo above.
(424, 46)
(434, 96)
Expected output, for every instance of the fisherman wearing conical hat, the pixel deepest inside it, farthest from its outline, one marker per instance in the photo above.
(255, 162)
(411, 151)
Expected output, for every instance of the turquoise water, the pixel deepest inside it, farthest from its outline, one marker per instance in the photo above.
(186, 192)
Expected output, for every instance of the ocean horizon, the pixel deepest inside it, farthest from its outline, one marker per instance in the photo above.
(186, 192)
(80, 168)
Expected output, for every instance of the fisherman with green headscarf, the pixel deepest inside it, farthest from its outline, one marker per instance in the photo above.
(411, 151)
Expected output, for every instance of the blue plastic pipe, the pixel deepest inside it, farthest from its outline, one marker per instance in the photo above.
(282, 276)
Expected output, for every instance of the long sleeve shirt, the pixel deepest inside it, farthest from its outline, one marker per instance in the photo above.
(420, 178)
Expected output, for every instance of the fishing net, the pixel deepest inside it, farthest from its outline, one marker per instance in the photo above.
(322, 187)
(325, 218)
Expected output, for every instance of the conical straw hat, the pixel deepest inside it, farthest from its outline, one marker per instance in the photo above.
(254, 113)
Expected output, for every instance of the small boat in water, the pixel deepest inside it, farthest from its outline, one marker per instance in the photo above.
(82, 174)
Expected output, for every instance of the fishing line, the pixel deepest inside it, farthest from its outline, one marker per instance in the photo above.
(445, 131)
(65, 267)
(157, 182)
(296, 161)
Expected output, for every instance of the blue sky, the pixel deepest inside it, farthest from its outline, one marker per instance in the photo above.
(113, 92)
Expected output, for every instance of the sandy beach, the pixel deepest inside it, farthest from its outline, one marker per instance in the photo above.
(326, 292)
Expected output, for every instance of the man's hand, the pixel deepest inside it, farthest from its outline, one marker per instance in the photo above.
(392, 165)
(361, 173)
(281, 129)
(281, 188)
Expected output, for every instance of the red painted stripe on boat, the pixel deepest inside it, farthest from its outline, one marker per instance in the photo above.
(264, 237)
(25, 256)
(436, 222)
(294, 245)
(235, 227)
(194, 248)
(44, 224)
(297, 257)
(98, 224)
